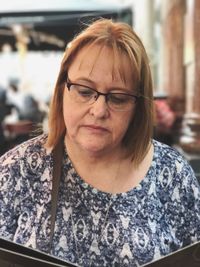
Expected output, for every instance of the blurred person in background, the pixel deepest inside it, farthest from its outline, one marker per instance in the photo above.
(123, 199)
(5, 110)
(14, 96)
(26, 105)
(31, 110)
(165, 119)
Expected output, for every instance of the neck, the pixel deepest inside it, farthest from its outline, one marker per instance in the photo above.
(108, 172)
(80, 155)
(97, 169)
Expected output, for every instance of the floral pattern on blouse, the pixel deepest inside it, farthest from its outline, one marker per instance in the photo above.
(94, 228)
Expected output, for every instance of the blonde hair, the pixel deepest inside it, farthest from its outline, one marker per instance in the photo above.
(121, 38)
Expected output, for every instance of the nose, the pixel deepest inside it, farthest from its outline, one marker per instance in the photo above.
(99, 108)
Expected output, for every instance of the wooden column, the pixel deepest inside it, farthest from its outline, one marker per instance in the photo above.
(190, 138)
(173, 42)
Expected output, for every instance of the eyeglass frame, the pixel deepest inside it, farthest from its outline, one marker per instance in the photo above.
(106, 95)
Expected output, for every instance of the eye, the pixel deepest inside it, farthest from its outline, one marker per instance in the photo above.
(82, 91)
(119, 99)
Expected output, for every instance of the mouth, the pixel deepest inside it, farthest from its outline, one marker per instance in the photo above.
(96, 128)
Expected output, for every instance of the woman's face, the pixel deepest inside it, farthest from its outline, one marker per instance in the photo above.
(96, 128)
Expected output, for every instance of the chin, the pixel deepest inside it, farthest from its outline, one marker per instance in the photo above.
(95, 148)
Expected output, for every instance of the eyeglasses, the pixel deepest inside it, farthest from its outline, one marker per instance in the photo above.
(115, 101)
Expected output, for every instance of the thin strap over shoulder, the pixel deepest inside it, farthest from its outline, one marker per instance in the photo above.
(57, 166)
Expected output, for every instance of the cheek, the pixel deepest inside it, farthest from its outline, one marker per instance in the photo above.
(68, 113)
(68, 118)
(123, 126)
(71, 118)
(128, 118)
(123, 123)
(72, 113)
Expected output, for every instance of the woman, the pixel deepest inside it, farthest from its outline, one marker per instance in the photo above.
(123, 199)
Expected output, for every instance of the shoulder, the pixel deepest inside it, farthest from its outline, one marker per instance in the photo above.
(168, 155)
(170, 160)
(36, 143)
(165, 150)
(176, 179)
(31, 152)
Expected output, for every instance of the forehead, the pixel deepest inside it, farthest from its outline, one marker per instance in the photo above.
(95, 59)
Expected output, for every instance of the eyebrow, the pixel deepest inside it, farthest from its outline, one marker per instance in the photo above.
(93, 84)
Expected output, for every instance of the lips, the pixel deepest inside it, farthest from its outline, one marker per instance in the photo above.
(96, 128)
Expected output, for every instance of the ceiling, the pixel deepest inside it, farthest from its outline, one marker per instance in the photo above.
(50, 24)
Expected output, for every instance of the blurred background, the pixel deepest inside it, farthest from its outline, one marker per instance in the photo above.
(33, 37)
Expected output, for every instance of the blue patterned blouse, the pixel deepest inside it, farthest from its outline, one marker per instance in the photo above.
(93, 228)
